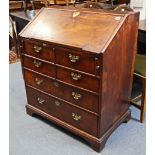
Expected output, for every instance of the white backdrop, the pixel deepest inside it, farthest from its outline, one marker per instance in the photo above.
(139, 5)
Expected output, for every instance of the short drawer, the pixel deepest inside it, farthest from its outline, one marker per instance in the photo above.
(78, 79)
(89, 63)
(63, 111)
(39, 50)
(39, 66)
(74, 95)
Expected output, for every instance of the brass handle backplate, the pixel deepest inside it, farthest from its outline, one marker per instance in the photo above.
(40, 101)
(37, 49)
(76, 117)
(38, 81)
(37, 63)
(76, 96)
(75, 76)
(57, 103)
(73, 58)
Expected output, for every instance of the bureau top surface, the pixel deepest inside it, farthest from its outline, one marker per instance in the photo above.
(83, 29)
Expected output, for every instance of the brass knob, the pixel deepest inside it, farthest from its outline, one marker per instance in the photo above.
(37, 49)
(37, 63)
(75, 76)
(73, 58)
(76, 117)
(40, 101)
(96, 58)
(76, 96)
(97, 67)
(38, 81)
(57, 103)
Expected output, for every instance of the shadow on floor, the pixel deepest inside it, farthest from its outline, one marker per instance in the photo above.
(76, 137)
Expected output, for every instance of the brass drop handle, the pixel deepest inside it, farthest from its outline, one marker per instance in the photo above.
(37, 49)
(38, 81)
(37, 63)
(75, 76)
(76, 96)
(73, 58)
(76, 117)
(57, 103)
(40, 101)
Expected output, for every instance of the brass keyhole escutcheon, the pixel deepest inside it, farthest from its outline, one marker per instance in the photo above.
(75, 14)
(57, 103)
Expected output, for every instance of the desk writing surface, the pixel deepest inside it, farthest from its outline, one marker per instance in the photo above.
(82, 29)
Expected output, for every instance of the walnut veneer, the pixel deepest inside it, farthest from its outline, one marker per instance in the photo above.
(78, 69)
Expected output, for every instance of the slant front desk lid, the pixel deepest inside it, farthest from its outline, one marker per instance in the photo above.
(84, 29)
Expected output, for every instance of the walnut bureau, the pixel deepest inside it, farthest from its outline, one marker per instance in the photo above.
(78, 69)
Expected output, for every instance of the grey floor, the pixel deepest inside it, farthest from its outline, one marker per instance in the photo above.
(36, 136)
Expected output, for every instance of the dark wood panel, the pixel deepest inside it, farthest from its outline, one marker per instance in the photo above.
(116, 90)
(63, 111)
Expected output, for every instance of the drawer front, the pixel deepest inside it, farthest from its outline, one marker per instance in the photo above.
(39, 66)
(63, 111)
(71, 94)
(39, 50)
(88, 63)
(78, 79)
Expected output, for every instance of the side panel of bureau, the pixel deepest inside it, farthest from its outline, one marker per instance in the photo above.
(118, 64)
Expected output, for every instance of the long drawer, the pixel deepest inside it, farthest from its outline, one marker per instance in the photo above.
(63, 111)
(39, 66)
(71, 94)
